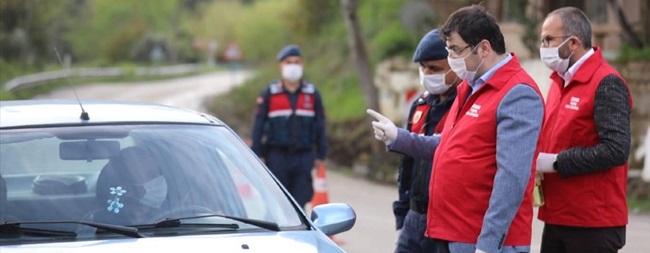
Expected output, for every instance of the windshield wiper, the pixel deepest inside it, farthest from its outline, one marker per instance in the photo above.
(14, 230)
(175, 222)
(11, 226)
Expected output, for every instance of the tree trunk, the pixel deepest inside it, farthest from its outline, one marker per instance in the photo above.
(172, 47)
(633, 38)
(645, 7)
(358, 49)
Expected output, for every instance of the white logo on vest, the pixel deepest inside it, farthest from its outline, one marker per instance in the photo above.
(473, 111)
(573, 104)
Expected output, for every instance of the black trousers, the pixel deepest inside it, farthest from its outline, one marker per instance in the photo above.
(567, 239)
(412, 239)
(439, 246)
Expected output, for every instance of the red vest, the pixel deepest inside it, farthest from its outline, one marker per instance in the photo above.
(418, 119)
(465, 164)
(589, 200)
(279, 105)
(287, 126)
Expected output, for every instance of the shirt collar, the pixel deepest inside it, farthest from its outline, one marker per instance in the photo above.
(475, 85)
(573, 69)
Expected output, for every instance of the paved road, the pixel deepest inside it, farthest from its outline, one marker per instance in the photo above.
(187, 92)
(374, 230)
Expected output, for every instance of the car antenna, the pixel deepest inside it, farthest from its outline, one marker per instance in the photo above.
(84, 114)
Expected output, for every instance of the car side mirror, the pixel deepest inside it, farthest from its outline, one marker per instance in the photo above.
(333, 218)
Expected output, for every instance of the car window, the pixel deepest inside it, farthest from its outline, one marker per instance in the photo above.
(134, 175)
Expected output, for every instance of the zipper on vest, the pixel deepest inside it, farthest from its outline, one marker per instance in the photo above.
(556, 113)
(462, 108)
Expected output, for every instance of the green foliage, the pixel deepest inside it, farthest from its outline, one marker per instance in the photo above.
(5, 95)
(184, 50)
(258, 28)
(118, 46)
(216, 20)
(343, 98)
(629, 53)
(638, 195)
(380, 21)
(9, 70)
(28, 28)
(260, 33)
(114, 28)
(394, 41)
(307, 18)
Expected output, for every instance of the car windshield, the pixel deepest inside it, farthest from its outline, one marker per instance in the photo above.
(135, 175)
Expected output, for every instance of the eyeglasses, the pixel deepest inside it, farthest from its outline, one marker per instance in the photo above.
(457, 53)
(545, 41)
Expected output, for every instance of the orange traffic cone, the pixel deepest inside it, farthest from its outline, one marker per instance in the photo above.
(321, 195)
(320, 187)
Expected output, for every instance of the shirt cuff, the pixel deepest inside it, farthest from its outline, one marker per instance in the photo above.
(545, 162)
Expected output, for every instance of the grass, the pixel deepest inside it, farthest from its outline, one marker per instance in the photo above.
(629, 53)
(638, 205)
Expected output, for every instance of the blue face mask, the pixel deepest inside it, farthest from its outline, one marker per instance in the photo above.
(156, 192)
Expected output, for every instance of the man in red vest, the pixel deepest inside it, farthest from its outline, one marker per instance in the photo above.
(426, 117)
(586, 141)
(289, 127)
(480, 192)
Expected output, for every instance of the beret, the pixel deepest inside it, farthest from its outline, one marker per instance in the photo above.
(290, 50)
(430, 48)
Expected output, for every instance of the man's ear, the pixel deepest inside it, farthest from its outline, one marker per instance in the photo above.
(485, 47)
(575, 42)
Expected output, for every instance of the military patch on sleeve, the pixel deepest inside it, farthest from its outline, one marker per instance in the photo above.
(416, 117)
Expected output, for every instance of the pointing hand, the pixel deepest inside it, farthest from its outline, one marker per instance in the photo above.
(385, 130)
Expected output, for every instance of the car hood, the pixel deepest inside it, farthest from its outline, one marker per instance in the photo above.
(303, 242)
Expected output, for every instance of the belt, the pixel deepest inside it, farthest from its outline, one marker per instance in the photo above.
(290, 149)
(419, 206)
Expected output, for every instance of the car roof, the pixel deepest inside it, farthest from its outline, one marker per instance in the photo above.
(18, 113)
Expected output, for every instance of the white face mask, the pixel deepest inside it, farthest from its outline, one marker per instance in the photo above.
(551, 58)
(459, 67)
(156, 192)
(292, 72)
(434, 83)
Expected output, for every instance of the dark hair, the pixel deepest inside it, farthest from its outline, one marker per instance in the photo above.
(576, 23)
(474, 24)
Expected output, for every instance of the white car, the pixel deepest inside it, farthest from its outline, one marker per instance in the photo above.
(100, 176)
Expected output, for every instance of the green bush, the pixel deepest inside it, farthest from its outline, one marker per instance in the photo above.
(118, 46)
(259, 28)
(10, 70)
(394, 41)
(6, 95)
(629, 53)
